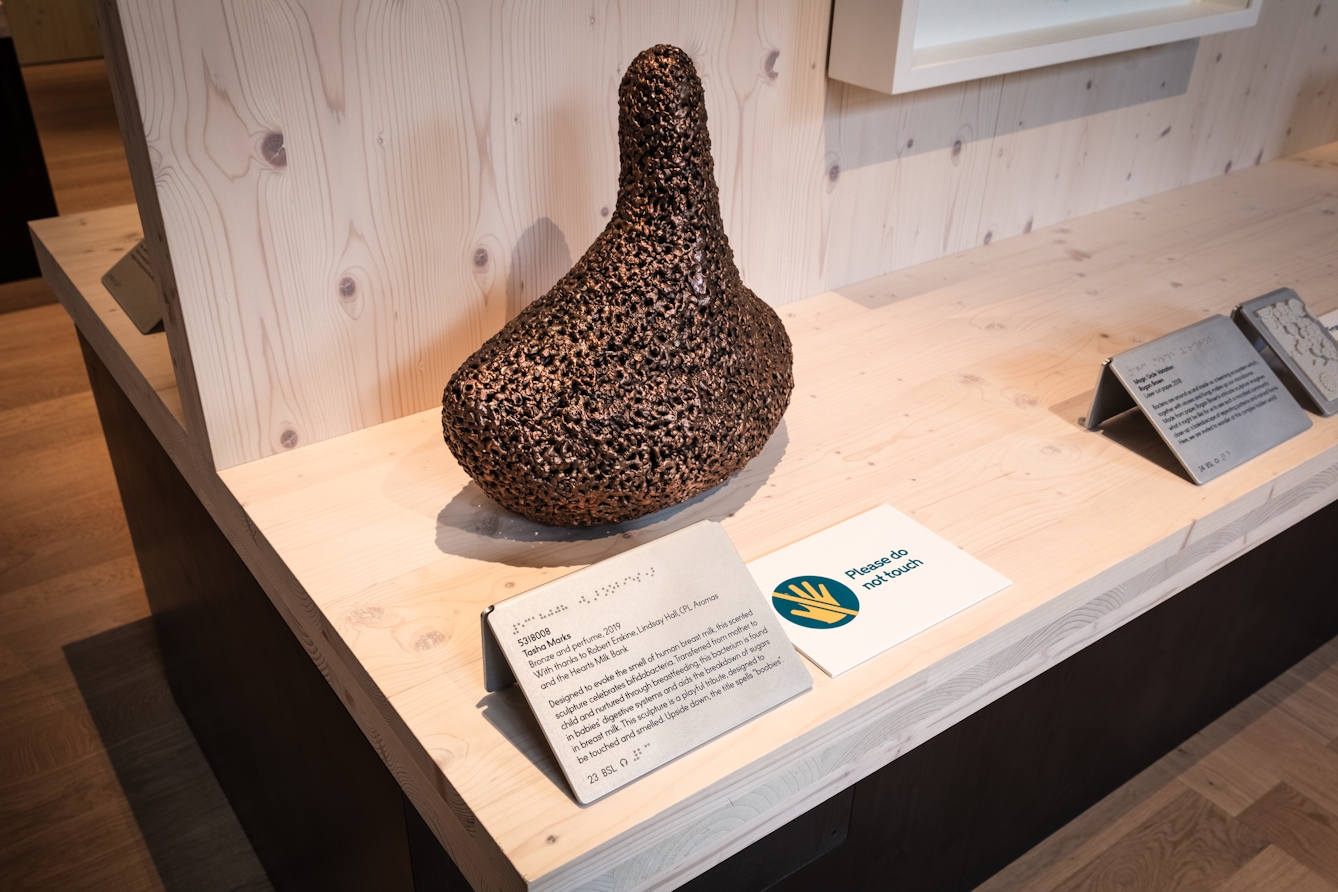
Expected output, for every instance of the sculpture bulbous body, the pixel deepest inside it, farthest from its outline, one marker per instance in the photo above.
(649, 373)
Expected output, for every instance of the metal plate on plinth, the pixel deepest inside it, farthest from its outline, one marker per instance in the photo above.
(632, 662)
(130, 281)
(1210, 395)
(1304, 350)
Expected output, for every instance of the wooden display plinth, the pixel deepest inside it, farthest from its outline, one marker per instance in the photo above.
(953, 391)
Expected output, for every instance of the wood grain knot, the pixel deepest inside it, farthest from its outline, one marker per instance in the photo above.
(429, 640)
(1042, 457)
(769, 65)
(372, 615)
(347, 287)
(834, 172)
(480, 257)
(273, 151)
(956, 148)
(288, 439)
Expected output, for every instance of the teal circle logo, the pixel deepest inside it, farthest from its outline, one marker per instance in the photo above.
(815, 602)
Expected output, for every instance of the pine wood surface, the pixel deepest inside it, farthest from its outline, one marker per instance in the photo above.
(140, 159)
(444, 164)
(50, 753)
(971, 428)
(89, 245)
(53, 596)
(951, 390)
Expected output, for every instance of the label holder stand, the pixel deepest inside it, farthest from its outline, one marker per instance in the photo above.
(1209, 358)
(634, 661)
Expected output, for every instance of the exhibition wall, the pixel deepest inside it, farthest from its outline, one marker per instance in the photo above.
(354, 196)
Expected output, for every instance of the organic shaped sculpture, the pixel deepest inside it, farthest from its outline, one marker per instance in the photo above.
(649, 373)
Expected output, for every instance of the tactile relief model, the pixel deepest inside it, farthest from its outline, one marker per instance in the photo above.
(649, 373)
(1304, 340)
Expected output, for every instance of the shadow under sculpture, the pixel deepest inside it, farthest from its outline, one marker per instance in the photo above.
(649, 373)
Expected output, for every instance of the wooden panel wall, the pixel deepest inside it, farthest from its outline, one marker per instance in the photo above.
(356, 195)
(935, 172)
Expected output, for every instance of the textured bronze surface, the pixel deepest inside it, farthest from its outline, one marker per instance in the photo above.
(649, 373)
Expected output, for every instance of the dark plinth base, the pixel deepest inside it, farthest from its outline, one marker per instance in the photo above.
(320, 808)
(943, 817)
(948, 815)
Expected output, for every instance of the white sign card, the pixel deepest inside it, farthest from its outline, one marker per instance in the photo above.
(1330, 322)
(858, 588)
(634, 661)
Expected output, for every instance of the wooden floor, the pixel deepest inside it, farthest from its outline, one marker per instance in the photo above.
(1249, 803)
(76, 120)
(102, 786)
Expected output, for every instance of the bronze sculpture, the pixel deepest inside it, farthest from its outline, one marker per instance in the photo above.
(649, 373)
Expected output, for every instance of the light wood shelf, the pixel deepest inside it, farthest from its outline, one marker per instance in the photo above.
(900, 47)
(951, 390)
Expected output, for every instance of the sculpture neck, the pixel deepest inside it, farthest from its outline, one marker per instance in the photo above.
(657, 196)
(664, 145)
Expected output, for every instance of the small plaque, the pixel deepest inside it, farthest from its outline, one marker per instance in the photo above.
(1208, 393)
(1330, 323)
(1299, 345)
(632, 662)
(853, 590)
(130, 281)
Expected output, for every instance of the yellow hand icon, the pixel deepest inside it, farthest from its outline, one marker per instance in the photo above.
(817, 604)
(821, 595)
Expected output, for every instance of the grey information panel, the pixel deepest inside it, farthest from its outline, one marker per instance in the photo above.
(1207, 391)
(1300, 343)
(130, 281)
(634, 661)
